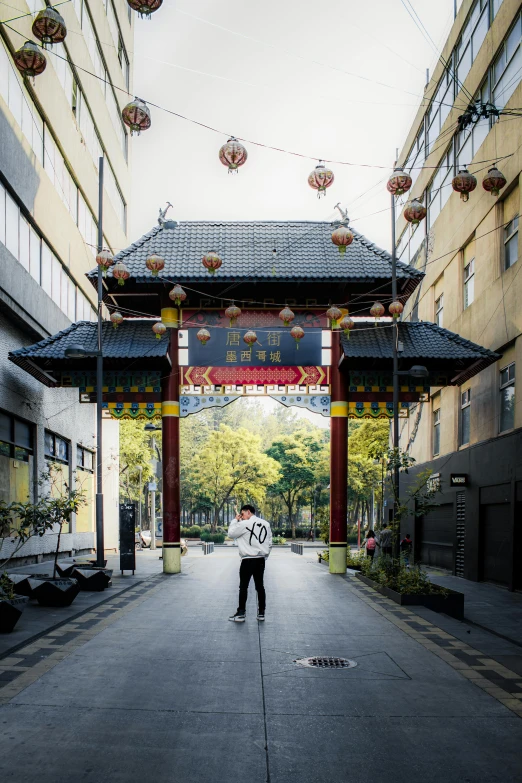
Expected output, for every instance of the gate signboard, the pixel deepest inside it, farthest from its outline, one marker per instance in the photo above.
(272, 349)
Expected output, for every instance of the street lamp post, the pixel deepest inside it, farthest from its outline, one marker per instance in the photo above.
(395, 354)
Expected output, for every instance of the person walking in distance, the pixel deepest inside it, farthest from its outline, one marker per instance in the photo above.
(406, 549)
(370, 544)
(385, 541)
(254, 541)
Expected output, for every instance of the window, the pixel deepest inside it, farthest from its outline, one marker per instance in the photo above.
(507, 398)
(473, 34)
(16, 438)
(465, 417)
(511, 242)
(507, 67)
(56, 449)
(416, 156)
(11, 225)
(124, 61)
(469, 283)
(470, 139)
(436, 432)
(440, 189)
(439, 109)
(439, 310)
(84, 459)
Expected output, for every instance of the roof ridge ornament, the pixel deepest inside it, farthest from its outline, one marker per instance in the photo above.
(162, 212)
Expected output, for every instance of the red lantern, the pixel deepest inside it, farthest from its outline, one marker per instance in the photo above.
(155, 263)
(415, 212)
(494, 181)
(396, 309)
(377, 311)
(159, 328)
(250, 338)
(105, 259)
(203, 336)
(116, 319)
(346, 324)
(464, 183)
(233, 312)
(136, 115)
(334, 314)
(145, 7)
(49, 27)
(342, 237)
(298, 334)
(233, 155)
(212, 262)
(121, 273)
(399, 182)
(29, 60)
(286, 316)
(320, 179)
(177, 294)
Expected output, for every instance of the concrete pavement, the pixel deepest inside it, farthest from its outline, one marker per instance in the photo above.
(157, 684)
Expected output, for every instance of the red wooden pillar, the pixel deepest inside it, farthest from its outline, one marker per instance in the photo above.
(338, 461)
(170, 450)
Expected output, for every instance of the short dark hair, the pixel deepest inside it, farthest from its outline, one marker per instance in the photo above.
(408, 535)
(248, 507)
(371, 534)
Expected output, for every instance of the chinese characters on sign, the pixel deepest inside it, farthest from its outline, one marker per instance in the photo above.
(273, 348)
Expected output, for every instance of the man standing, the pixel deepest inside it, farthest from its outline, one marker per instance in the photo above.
(385, 541)
(254, 540)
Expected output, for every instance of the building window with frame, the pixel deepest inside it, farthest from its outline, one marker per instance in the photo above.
(84, 459)
(465, 417)
(56, 449)
(511, 242)
(440, 189)
(16, 458)
(469, 283)
(507, 398)
(436, 432)
(439, 310)
(507, 66)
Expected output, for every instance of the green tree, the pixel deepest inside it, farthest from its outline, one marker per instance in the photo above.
(231, 465)
(296, 455)
(135, 453)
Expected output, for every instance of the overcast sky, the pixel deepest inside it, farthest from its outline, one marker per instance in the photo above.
(247, 68)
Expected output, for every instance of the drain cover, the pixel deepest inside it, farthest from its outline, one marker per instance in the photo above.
(326, 662)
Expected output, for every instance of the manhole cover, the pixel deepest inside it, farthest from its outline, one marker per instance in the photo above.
(326, 662)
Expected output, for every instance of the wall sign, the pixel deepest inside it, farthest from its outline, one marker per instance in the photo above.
(275, 348)
(459, 480)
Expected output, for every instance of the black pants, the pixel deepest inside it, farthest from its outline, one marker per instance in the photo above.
(387, 551)
(253, 566)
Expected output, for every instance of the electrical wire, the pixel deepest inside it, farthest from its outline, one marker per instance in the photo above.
(30, 13)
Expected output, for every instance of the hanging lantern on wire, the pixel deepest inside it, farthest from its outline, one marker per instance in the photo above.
(121, 273)
(342, 237)
(287, 316)
(494, 181)
(159, 329)
(30, 60)
(49, 27)
(346, 325)
(145, 7)
(377, 311)
(105, 259)
(320, 179)
(177, 294)
(155, 264)
(116, 319)
(203, 336)
(334, 314)
(415, 212)
(136, 115)
(399, 182)
(233, 312)
(396, 309)
(211, 261)
(464, 183)
(250, 338)
(233, 155)
(297, 333)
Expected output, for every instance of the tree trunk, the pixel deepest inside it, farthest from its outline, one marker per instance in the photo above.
(57, 550)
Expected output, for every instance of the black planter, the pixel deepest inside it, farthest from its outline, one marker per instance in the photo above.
(93, 579)
(21, 584)
(54, 592)
(10, 612)
(65, 571)
(354, 567)
(452, 604)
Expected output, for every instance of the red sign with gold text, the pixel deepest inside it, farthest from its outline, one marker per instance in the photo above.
(228, 376)
(252, 318)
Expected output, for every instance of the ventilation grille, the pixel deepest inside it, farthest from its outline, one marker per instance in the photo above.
(325, 662)
(461, 534)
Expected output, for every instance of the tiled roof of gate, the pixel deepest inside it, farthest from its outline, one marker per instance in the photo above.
(304, 251)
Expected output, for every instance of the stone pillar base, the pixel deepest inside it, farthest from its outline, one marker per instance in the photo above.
(337, 559)
(172, 559)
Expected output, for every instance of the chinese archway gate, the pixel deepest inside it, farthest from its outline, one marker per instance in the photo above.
(205, 357)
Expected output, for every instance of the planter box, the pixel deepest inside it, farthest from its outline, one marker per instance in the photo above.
(93, 579)
(54, 592)
(10, 612)
(21, 583)
(453, 604)
(354, 567)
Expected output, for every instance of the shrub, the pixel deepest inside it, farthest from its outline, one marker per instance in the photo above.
(185, 532)
(216, 538)
(278, 539)
(194, 531)
(355, 558)
(396, 576)
(324, 555)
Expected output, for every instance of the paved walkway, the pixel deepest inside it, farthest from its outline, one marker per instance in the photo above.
(157, 685)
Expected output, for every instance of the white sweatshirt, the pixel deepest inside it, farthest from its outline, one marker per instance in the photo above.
(254, 537)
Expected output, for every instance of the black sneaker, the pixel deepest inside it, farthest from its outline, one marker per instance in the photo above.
(238, 617)
(261, 616)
